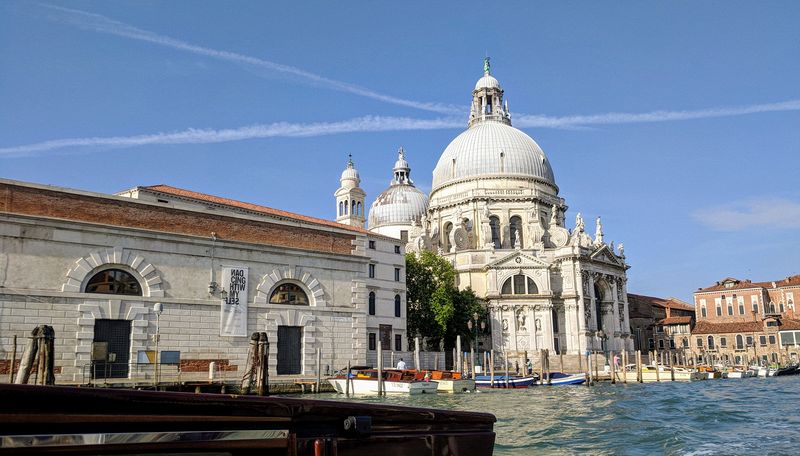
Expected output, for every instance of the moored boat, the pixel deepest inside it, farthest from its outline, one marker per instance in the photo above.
(365, 381)
(447, 381)
(560, 378)
(652, 374)
(501, 381)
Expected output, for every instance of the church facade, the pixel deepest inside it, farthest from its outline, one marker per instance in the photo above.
(495, 212)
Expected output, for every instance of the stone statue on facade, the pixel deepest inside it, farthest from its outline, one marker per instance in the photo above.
(579, 226)
(621, 249)
(598, 232)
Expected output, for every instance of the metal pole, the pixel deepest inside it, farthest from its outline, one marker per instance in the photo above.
(155, 366)
(347, 381)
(319, 373)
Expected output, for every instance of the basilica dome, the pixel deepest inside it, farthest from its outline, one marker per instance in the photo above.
(400, 204)
(491, 147)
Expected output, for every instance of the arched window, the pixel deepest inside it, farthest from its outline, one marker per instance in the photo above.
(685, 342)
(353, 211)
(346, 205)
(739, 342)
(289, 293)
(372, 303)
(359, 209)
(555, 320)
(341, 208)
(710, 342)
(519, 284)
(516, 230)
(114, 281)
(494, 224)
(396, 305)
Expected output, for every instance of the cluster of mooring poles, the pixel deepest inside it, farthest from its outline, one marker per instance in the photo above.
(257, 370)
(39, 353)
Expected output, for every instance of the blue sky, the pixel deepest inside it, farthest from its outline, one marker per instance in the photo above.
(677, 122)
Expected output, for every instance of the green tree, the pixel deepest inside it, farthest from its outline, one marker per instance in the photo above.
(437, 310)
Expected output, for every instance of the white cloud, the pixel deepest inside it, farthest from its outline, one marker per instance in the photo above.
(205, 136)
(772, 213)
(102, 24)
(526, 120)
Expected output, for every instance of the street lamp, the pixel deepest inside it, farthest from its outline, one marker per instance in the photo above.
(157, 309)
(471, 326)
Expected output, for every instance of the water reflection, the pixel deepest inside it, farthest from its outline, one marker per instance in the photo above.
(708, 417)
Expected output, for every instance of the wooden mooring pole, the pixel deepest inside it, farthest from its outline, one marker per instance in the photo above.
(639, 366)
(491, 368)
(347, 381)
(624, 366)
(13, 361)
(380, 368)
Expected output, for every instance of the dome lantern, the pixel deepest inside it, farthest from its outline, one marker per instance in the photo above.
(350, 197)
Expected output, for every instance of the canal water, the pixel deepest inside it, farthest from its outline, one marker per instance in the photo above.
(735, 416)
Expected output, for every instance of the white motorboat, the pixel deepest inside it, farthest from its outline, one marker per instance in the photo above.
(394, 382)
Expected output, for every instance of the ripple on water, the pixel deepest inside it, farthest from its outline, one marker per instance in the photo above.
(733, 416)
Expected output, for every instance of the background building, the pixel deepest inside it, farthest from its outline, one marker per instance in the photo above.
(740, 321)
(94, 266)
(660, 323)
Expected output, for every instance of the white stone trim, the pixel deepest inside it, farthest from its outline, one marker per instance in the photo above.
(312, 286)
(113, 309)
(84, 268)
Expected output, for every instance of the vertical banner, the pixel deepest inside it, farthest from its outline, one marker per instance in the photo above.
(233, 310)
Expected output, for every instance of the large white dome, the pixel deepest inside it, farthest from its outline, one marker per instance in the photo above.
(492, 149)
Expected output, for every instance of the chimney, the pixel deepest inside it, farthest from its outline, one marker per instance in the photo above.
(668, 309)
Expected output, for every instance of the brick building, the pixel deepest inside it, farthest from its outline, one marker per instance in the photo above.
(740, 321)
(94, 266)
(659, 323)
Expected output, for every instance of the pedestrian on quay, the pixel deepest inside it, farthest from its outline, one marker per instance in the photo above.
(401, 365)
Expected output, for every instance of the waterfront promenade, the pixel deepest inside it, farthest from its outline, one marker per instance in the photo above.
(698, 418)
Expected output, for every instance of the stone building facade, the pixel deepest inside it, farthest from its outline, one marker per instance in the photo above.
(94, 266)
(495, 213)
(740, 321)
(660, 323)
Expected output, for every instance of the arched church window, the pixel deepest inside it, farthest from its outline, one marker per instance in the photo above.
(346, 205)
(341, 208)
(532, 289)
(359, 209)
(289, 293)
(372, 303)
(353, 210)
(114, 281)
(516, 230)
(494, 223)
(519, 284)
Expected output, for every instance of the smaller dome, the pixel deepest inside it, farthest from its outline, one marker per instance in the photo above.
(398, 204)
(488, 82)
(350, 177)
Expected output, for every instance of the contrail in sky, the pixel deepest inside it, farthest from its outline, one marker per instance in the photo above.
(382, 123)
(102, 24)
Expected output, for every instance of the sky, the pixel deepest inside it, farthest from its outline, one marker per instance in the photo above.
(677, 122)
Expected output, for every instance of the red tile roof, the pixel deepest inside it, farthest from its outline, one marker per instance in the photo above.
(252, 207)
(791, 281)
(787, 324)
(682, 320)
(704, 327)
(673, 303)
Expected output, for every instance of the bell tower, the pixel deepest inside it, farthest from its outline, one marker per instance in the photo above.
(350, 197)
